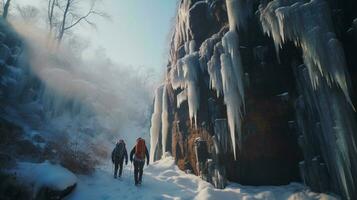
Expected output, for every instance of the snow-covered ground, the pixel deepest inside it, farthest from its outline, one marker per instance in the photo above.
(163, 180)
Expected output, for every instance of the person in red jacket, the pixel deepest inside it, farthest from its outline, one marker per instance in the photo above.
(138, 155)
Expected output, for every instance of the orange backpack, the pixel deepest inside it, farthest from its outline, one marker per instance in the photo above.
(140, 149)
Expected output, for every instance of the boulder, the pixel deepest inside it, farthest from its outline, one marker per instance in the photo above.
(48, 181)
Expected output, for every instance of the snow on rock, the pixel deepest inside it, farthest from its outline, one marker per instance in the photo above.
(163, 180)
(45, 175)
(309, 26)
(156, 122)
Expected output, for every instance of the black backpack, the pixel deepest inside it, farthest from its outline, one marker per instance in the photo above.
(119, 150)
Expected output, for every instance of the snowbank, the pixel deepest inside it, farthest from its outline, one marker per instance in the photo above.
(45, 175)
(163, 180)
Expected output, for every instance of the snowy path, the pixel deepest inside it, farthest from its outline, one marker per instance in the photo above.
(163, 180)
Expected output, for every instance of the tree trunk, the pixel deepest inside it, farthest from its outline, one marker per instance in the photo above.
(63, 26)
(51, 7)
(6, 9)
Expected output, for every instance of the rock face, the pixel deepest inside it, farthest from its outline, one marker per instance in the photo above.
(268, 86)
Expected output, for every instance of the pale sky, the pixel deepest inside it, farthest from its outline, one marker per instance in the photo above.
(137, 34)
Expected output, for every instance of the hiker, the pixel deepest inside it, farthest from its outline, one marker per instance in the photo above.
(138, 155)
(118, 155)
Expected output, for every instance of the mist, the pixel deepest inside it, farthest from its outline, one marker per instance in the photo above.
(88, 100)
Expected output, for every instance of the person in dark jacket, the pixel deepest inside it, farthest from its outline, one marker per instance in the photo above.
(138, 155)
(118, 155)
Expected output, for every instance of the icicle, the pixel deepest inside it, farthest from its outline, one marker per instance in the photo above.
(185, 76)
(192, 47)
(232, 99)
(164, 119)
(182, 28)
(177, 78)
(191, 69)
(238, 11)
(181, 97)
(309, 26)
(156, 122)
(207, 47)
(230, 44)
(214, 70)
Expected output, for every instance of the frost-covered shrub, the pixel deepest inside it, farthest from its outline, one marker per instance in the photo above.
(10, 188)
(77, 161)
(70, 155)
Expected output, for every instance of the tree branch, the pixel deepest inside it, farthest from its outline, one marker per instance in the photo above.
(85, 18)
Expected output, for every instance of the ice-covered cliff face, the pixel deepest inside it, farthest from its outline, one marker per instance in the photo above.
(269, 84)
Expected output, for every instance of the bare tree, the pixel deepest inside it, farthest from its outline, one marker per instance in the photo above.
(51, 14)
(71, 17)
(29, 14)
(6, 9)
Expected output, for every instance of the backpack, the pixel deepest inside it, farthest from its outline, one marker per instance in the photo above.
(140, 149)
(119, 150)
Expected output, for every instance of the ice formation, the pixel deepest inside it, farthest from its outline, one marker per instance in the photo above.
(230, 45)
(309, 26)
(181, 97)
(182, 28)
(210, 52)
(220, 57)
(156, 122)
(232, 99)
(177, 76)
(331, 124)
(191, 70)
(207, 49)
(184, 75)
(224, 66)
(164, 119)
(238, 11)
(232, 71)
(214, 71)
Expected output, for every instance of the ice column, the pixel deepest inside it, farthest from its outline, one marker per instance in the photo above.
(156, 122)
(165, 119)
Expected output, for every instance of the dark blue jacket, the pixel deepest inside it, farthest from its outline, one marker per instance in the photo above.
(119, 155)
